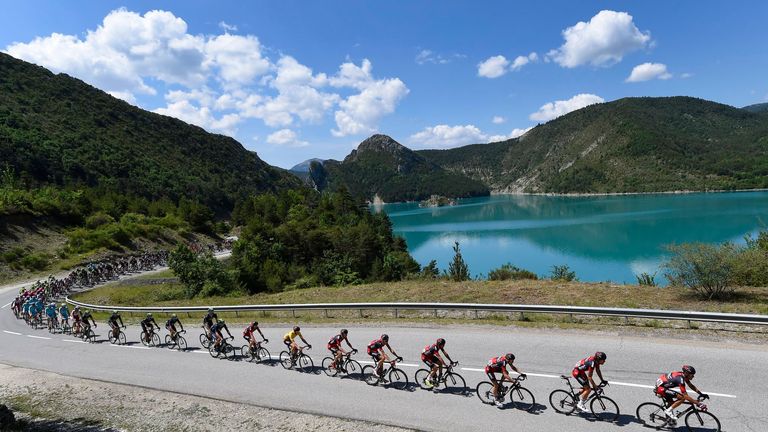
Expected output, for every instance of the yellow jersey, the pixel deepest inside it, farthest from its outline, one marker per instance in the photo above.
(291, 335)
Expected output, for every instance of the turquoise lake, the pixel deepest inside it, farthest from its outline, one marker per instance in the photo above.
(602, 238)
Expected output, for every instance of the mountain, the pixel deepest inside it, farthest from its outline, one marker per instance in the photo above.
(628, 145)
(757, 108)
(304, 166)
(381, 167)
(57, 130)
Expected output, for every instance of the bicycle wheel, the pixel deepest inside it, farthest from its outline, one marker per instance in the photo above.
(604, 409)
(264, 355)
(651, 414)
(702, 421)
(246, 352)
(145, 339)
(121, 338)
(169, 342)
(455, 384)
(326, 365)
(91, 337)
(181, 343)
(112, 339)
(398, 379)
(227, 350)
(353, 369)
(484, 392)
(285, 359)
(306, 364)
(421, 379)
(523, 399)
(562, 401)
(204, 341)
(155, 339)
(369, 375)
(213, 351)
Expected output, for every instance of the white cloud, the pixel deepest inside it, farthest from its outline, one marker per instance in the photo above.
(516, 132)
(286, 138)
(445, 136)
(555, 109)
(361, 112)
(649, 71)
(498, 120)
(685, 75)
(493, 67)
(428, 56)
(227, 27)
(238, 58)
(521, 61)
(603, 41)
(185, 110)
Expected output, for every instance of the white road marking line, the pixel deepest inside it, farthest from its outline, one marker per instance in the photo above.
(618, 383)
(6, 305)
(399, 364)
(129, 346)
(39, 337)
(199, 352)
(10, 332)
(75, 341)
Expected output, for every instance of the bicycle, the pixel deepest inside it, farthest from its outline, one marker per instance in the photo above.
(453, 382)
(304, 362)
(259, 354)
(53, 325)
(88, 335)
(150, 340)
(345, 365)
(397, 378)
(602, 407)
(696, 418)
(65, 327)
(205, 338)
(225, 350)
(518, 395)
(119, 340)
(177, 341)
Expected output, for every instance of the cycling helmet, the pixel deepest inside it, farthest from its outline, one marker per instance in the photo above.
(385, 337)
(114, 312)
(149, 315)
(63, 304)
(210, 309)
(52, 304)
(297, 328)
(221, 321)
(344, 331)
(173, 316)
(77, 307)
(600, 356)
(440, 342)
(509, 357)
(254, 324)
(689, 370)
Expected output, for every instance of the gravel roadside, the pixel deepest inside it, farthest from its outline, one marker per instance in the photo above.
(44, 402)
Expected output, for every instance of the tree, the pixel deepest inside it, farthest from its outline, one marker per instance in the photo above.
(457, 269)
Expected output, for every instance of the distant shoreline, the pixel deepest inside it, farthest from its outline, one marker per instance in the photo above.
(588, 194)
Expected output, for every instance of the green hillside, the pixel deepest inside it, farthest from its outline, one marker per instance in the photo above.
(629, 145)
(57, 130)
(382, 167)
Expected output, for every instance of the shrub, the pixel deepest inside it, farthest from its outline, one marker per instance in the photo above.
(397, 265)
(36, 261)
(563, 273)
(510, 272)
(750, 267)
(430, 271)
(98, 219)
(646, 279)
(458, 270)
(707, 270)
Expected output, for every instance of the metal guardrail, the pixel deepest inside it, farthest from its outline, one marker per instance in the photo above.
(476, 307)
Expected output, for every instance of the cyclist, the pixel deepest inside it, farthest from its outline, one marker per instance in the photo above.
(290, 341)
(375, 349)
(147, 325)
(64, 312)
(33, 311)
(216, 332)
(334, 346)
(50, 312)
(208, 322)
(671, 388)
(583, 371)
(249, 336)
(170, 325)
(112, 321)
(76, 320)
(499, 365)
(26, 309)
(84, 321)
(430, 355)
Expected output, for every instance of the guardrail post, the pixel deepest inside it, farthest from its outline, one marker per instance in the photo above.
(293, 311)
(626, 320)
(326, 313)
(522, 316)
(360, 311)
(570, 317)
(264, 313)
(476, 316)
(689, 324)
(236, 314)
(396, 315)
(188, 315)
(435, 313)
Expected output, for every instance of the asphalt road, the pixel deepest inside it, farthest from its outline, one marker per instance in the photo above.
(733, 373)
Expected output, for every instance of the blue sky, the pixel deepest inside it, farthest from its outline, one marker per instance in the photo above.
(294, 80)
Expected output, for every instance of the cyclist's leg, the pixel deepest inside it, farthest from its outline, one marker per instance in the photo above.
(678, 400)
(495, 383)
